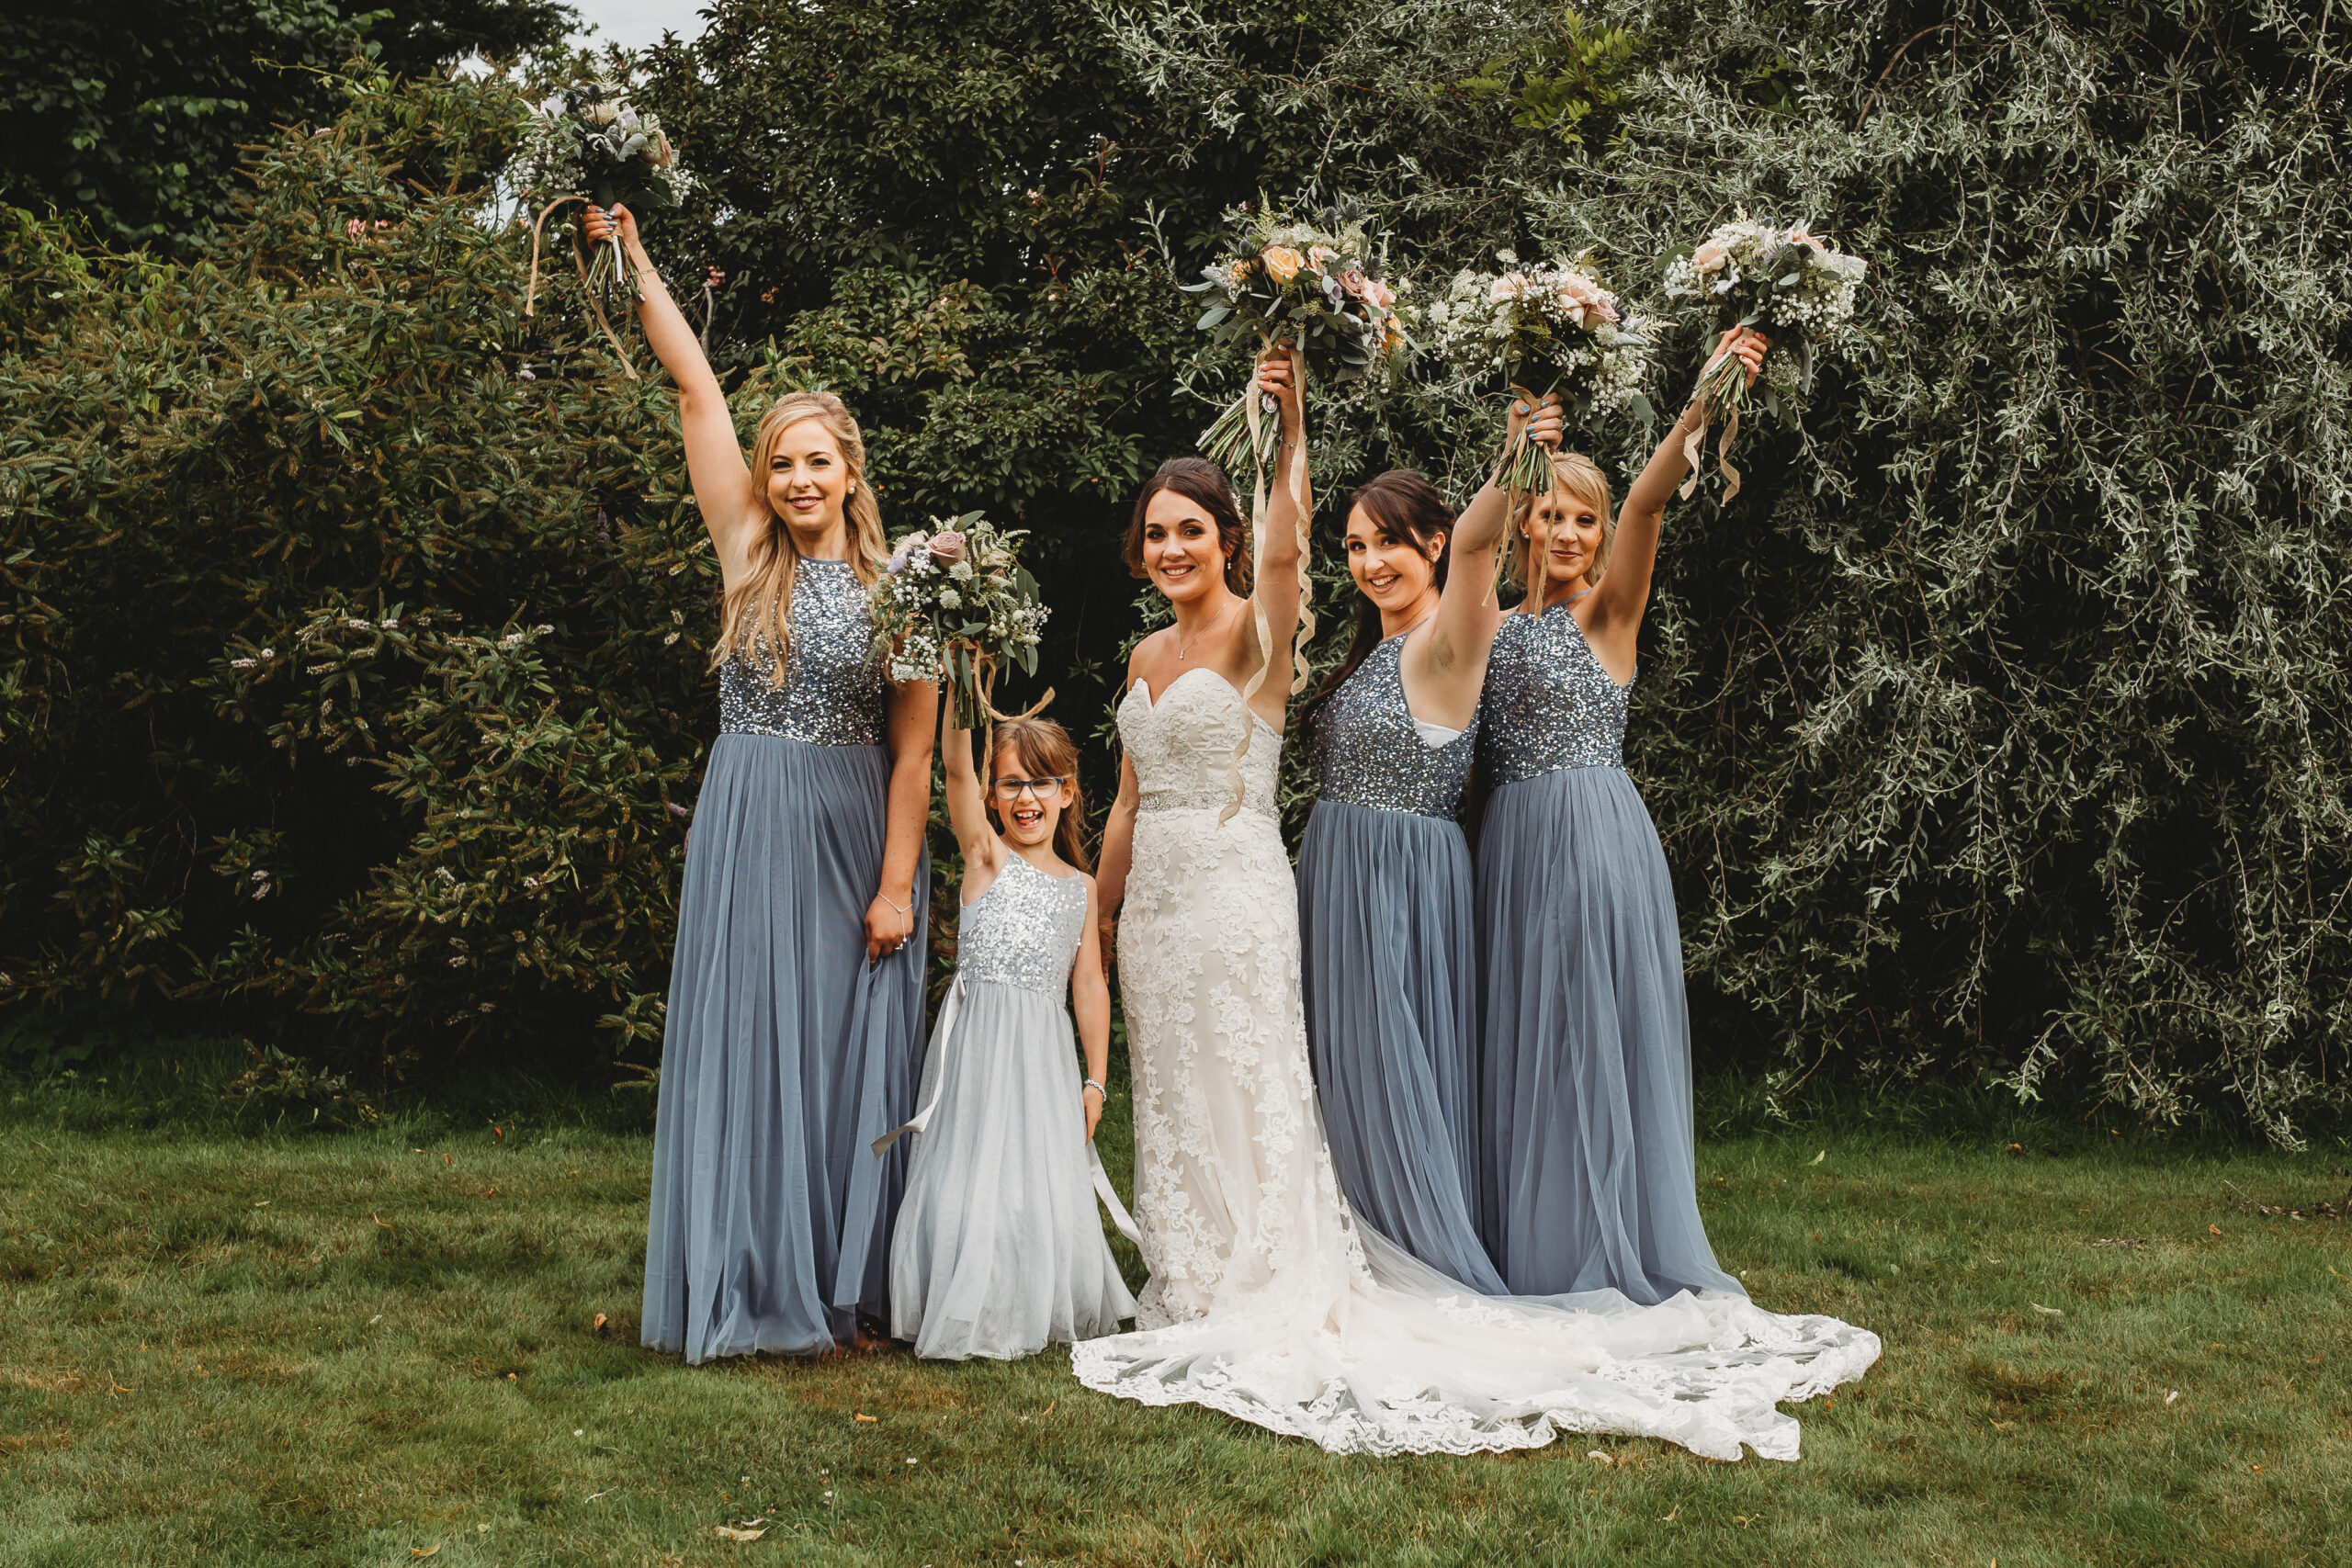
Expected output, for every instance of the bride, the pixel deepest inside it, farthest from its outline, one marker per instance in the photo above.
(1267, 1300)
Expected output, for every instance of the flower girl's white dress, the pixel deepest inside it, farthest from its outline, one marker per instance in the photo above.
(997, 1251)
(1267, 1301)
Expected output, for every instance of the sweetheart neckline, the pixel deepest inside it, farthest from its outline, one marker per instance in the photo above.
(1151, 705)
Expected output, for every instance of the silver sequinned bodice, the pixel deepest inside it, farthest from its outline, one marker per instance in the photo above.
(1025, 929)
(834, 694)
(1368, 753)
(1548, 703)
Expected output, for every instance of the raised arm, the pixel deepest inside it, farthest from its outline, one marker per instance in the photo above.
(1089, 1001)
(913, 716)
(733, 502)
(967, 811)
(1615, 617)
(1452, 663)
(1291, 502)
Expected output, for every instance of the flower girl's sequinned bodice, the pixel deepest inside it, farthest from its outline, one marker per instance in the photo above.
(834, 694)
(1548, 703)
(1368, 753)
(1024, 930)
(1182, 744)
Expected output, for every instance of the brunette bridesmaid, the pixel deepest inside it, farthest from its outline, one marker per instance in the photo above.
(1384, 872)
(795, 1026)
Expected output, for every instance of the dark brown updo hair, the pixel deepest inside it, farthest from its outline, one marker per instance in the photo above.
(1406, 507)
(1203, 484)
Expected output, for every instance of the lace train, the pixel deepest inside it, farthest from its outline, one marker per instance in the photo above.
(1267, 1301)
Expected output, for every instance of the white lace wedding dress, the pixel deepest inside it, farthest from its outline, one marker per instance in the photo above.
(1267, 1301)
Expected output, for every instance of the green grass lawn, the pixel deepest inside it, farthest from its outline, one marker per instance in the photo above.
(367, 1347)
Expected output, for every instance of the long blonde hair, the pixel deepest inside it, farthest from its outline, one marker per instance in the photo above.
(1581, 477)
(759, 609)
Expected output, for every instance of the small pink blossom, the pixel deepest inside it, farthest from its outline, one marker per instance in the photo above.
(1798, 236)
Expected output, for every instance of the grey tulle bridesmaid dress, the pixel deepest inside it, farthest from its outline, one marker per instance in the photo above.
(1386, 925)
(997, 1251)
(785, 1053)
(1588, 1177)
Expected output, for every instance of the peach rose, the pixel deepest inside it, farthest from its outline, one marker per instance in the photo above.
(1282, 263)
(1377, 294)
(1510, 285)
(1708, 257)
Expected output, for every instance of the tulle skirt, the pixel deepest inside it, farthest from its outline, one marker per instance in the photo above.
(785, 1055)
(999, 1251)
(1386, 925)
(1588, 1177)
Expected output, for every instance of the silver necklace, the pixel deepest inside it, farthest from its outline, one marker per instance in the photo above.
(1182, 649)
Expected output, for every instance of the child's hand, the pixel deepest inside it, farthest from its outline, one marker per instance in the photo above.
(1092, 1097)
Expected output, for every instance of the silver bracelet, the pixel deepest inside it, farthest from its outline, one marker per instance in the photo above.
(905, 908)
(1096, 1087)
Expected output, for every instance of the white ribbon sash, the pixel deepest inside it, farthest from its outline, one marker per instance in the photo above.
(943, 1034)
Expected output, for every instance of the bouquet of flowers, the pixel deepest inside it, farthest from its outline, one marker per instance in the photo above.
(1557, 327)
(1780, 280)
(1316, 287)
(954, 605)
(588, 144)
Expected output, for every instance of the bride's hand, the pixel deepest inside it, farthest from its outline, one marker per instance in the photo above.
(1277, 378)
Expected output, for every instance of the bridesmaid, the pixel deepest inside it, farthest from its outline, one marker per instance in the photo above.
(1384, 872)
(795, 995)
(1588, 1174)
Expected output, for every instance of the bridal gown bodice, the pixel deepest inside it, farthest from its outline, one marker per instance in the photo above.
(1267, 1301)
(1231, 1179)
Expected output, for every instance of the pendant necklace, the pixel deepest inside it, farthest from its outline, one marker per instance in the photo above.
(1181, 649)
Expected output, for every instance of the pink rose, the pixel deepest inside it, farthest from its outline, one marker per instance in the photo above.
(1352, 281)
(1707, 257)
(1797, 236)
(947, 548)
(1318, 254)
(1510, 285)
(1377, 293)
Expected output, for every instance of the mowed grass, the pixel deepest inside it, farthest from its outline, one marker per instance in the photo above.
(366, 1349)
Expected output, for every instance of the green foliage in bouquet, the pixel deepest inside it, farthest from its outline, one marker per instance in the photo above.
(954, 605)
(1316, 287)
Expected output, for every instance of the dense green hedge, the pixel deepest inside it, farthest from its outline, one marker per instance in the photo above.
(1996, 732)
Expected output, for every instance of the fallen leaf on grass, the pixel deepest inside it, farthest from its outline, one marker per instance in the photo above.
(1595, 1454)
(1819, 1157)
(424, 1551)
(2215, 1229)
(1670, 1518)
(378, 1218)
(2046, 1312)
(2172, 1396)
(605, 1492)
(856, 1417)
(729, 1532)
(601, 1321)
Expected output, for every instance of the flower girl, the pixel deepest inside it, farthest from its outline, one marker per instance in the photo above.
(997, 1251)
